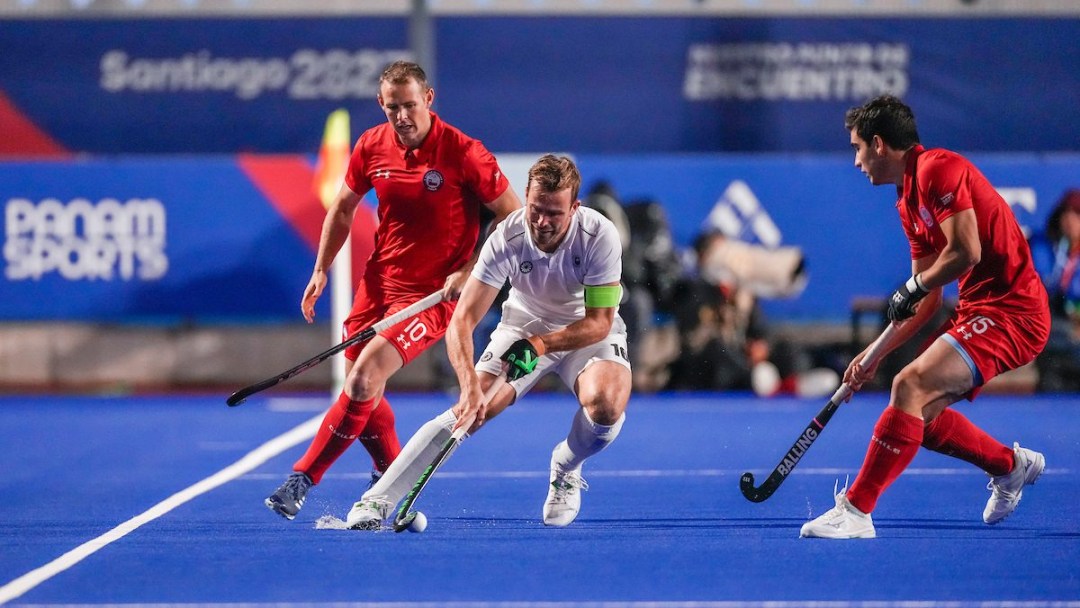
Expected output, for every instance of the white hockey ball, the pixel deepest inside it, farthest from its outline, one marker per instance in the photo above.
(419, 523)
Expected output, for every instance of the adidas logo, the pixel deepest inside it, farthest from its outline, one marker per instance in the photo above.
(738, 214)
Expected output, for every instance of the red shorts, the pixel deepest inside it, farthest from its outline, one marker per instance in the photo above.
(993, 341)
(410, 337)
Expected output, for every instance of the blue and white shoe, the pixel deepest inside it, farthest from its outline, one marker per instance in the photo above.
(289, 498)
(376, 475)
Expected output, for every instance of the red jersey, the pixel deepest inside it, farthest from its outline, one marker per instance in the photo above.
(939, 183)
(429, 203)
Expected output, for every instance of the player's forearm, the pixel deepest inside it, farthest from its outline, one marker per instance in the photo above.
(950, 266)
(459, 349)
(961, 253)
(335, 230)
(578, 334)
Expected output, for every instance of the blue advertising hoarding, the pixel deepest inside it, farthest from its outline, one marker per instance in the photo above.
(219, 239)
(145, 239)
(589, 84)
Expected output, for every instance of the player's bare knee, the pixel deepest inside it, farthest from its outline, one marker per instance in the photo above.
(603, 405)
(362, 386)
(909, 392)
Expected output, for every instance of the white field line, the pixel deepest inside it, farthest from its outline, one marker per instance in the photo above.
(610, 604)
(246, 464)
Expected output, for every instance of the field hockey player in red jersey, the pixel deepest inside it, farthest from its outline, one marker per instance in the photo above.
(959, 229)
(431, 181)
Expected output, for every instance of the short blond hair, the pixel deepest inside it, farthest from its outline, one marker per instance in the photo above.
(401, 72)
(554, 173)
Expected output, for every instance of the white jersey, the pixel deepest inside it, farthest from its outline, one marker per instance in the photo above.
(547, 290)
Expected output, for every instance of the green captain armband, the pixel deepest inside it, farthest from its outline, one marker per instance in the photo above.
(602, 296)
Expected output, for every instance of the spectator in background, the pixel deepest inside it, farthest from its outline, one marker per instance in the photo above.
(1059, 364)
(721, 337)
(651, 269)
(724, 338)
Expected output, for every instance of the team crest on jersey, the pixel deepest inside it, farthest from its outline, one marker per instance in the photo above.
(926, 217)
(526, 267)
(433, 180)
(486, 357)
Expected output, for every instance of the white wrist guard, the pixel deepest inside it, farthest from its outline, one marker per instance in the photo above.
(915, 285)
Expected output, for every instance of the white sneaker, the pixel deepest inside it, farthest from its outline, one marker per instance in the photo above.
(841, 521)
(368, 513)
(1006, 490)
(564, 497)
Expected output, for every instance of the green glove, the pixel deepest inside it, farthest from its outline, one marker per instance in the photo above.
(521, 357)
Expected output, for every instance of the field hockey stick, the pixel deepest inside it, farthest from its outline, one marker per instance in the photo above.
(811, 432)
(239, 396)
(405, 515)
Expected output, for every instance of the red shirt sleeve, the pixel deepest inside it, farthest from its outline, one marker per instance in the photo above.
(944, 186)
(356, 175)
(481, 173)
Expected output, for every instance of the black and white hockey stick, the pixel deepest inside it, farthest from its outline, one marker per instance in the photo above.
(405, 515)
(239, 396)
(810, 433)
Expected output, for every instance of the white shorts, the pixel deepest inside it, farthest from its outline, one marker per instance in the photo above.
(568, 364)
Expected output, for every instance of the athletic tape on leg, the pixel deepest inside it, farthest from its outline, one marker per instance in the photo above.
(587, 438)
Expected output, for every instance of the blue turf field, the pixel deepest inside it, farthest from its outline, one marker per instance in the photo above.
(663, 523)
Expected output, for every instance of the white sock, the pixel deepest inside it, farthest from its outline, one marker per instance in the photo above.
(413, 459)
(585, 439)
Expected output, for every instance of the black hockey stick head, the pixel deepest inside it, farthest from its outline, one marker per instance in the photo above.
(753, 494)
(237, 398)
(759, 494)
(402, 523)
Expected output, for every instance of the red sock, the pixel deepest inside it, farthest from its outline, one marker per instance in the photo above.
(952, 434)
(379, 436)
(340, 427)
(893, 445)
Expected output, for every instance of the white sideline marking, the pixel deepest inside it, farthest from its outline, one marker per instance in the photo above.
(249, 462)
(297, 404)
(612, 604)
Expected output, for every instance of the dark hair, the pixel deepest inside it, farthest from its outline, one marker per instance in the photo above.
(1070, 201)
(887, 117)
(554, 173)
(401, 72)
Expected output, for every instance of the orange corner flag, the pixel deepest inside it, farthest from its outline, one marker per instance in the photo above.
(333, 157)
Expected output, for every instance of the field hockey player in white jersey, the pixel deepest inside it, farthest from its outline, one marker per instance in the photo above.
(564, 264)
